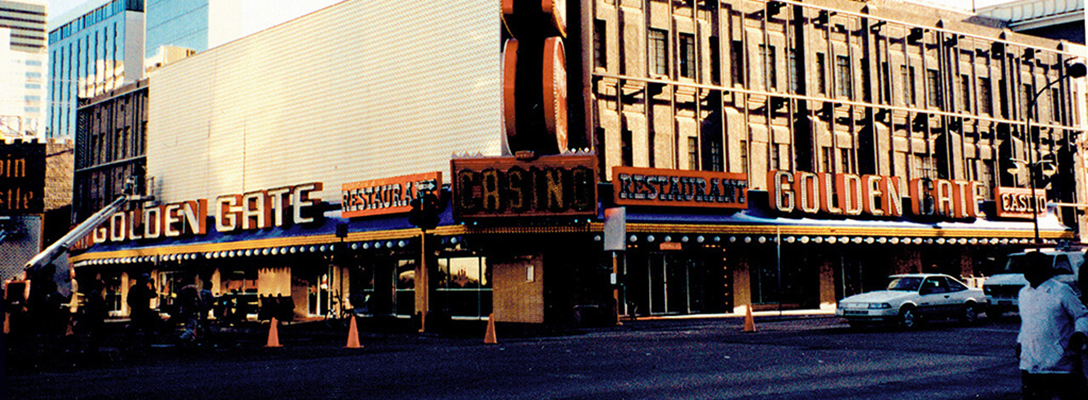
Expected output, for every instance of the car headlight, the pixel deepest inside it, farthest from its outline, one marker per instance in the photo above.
(879, 306)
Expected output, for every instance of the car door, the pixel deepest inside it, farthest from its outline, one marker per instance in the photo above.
(958, 293)
(933, 297)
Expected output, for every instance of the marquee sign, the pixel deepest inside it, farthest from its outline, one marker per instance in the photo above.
(259, 209)
(1016, 202)
(386, 196)
(22, 178)
(679, 188)
(508, 187)
(873, 195)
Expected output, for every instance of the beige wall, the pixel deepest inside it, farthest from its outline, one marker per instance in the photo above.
(516, 298)
(372, 84)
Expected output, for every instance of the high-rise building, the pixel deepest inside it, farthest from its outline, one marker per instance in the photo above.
(98, 51)
(22, 61)
(199, 25)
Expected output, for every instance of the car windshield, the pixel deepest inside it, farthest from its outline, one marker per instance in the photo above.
(1019, 263)
(910, 284)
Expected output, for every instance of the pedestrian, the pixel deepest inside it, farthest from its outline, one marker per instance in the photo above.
(189, 309)
(1053, 329)
(143, 318)
(93, 313)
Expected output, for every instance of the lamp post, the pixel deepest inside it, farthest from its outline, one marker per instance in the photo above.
(1074, 70)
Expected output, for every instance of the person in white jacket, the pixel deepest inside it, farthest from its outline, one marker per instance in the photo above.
(1053, 329)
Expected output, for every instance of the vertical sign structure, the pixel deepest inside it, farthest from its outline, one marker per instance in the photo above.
(535, 76)
(22, 178)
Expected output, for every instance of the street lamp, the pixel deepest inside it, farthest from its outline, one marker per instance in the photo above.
(1074, 70)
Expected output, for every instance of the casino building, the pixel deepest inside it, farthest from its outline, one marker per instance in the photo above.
(658, 158)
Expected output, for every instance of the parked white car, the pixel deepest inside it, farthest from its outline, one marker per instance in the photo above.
(911, 298)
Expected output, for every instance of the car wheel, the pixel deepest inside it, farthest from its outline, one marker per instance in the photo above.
(970, 313)
(908, 318)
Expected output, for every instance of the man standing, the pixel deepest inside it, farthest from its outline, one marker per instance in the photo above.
(1052, 329)
(144, 319)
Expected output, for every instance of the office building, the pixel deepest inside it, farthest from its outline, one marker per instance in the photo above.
(22, 68)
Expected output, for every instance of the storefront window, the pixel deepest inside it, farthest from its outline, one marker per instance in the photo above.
(405, 287)
(464, 286)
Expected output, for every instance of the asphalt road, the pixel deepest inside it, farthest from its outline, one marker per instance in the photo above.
(811, 358)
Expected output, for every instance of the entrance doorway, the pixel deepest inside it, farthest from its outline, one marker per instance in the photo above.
(672, 283)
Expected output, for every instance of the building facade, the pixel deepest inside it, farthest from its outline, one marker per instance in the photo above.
(775, 154)
(96, 52)
(837, 90)
(23, 55)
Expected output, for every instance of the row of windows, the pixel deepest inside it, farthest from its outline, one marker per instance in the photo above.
(94, 17)
(844, 85)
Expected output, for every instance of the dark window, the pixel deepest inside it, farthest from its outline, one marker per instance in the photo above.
(844, 77)
(795, 75)
(985, 96)
(821, 74)
(600, 43)
(1055, 105)
(659, 49)
(846, 161)
(625, 147)
(715, 63)
(965, 88)
(933, 88)
(744, 156)
(905, 74)
(693, 153)
(826, 160)
(766, 54)
(687, 55)
(736, 55)
(1026, 91)
(1003, 97)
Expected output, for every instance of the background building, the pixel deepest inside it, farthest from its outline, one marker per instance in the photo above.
(92, 53)
(1053, 19)
(22, 68)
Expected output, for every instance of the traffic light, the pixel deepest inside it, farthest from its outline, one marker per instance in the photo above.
(424, 212)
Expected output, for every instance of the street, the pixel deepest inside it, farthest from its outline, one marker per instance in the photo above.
(802, 358)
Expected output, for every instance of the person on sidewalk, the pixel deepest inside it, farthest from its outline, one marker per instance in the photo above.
(144, 319)
(1053, 329)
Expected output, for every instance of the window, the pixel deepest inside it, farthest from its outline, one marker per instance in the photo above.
(795, 78)
(1003, 97)
(715, 62)
(687, 55)
(886, 82)
(1055, 105)
(774, 156)
(846, 159)
(659, 49)
(965, 88)
(933, 88)
(826, 159)
(625, 148)
(1026, 91)
(844, 77)
(464, 286)
(766, 54)
(600, 44)
(821, 74)
(693, 153)
(744, 156)
(907, 83)
(985, 96)
(736, 55)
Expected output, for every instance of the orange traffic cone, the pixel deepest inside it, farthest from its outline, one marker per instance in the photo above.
(353, 336)
(68, 331)
(749, 323)
(489, 337)
(273, 334)
(7, 322)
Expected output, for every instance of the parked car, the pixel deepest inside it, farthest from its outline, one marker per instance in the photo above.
(1003, 288)
(912, 298)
